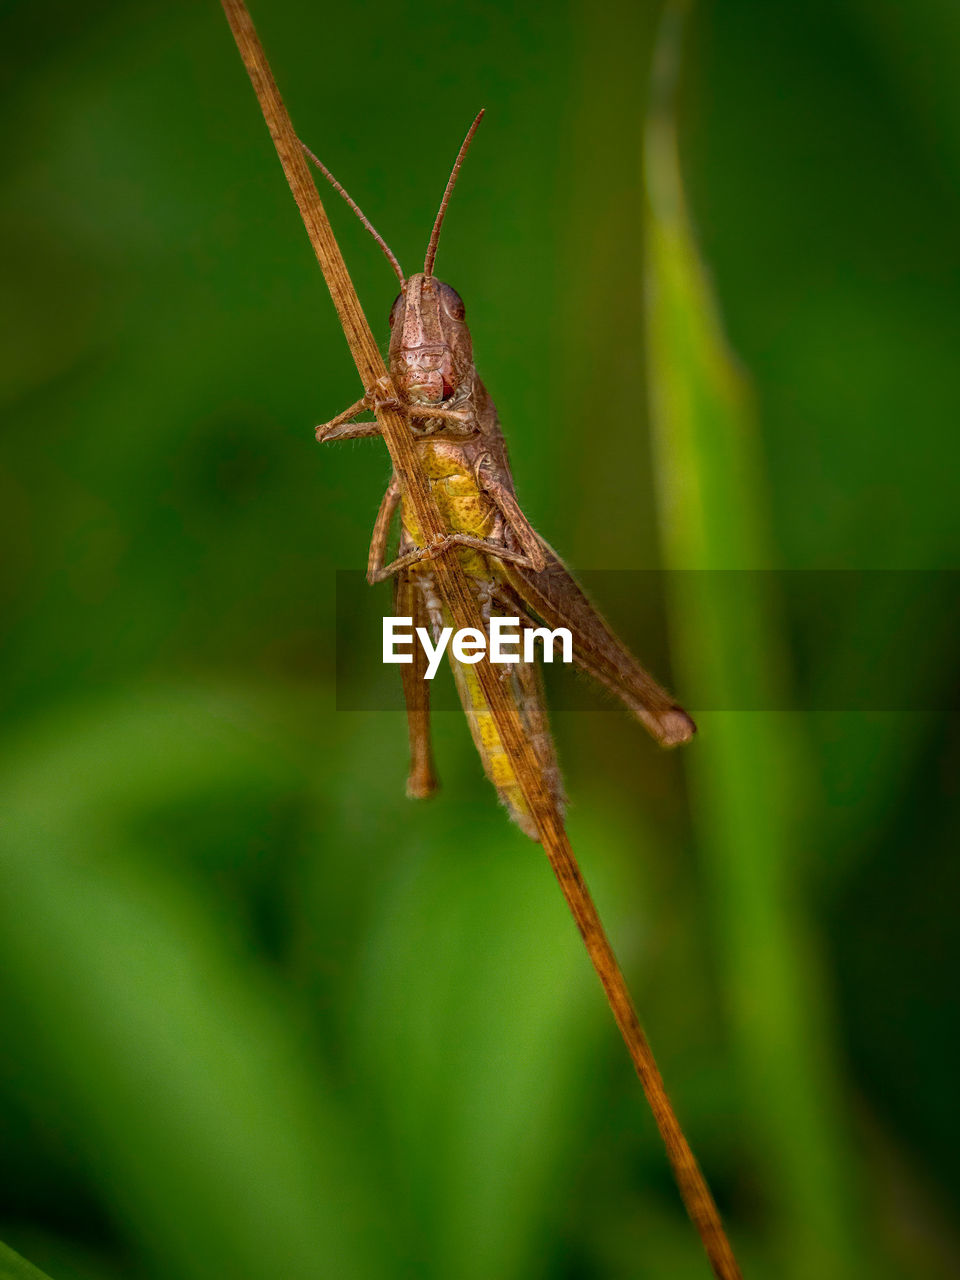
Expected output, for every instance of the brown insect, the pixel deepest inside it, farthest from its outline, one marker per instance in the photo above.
(512, 571)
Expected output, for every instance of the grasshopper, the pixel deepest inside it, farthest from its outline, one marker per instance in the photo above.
(512, 571)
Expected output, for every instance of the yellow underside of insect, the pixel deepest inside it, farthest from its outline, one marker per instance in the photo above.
(486, 738)
(465, 508)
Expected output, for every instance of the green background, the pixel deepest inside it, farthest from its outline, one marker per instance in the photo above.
(261, 1015)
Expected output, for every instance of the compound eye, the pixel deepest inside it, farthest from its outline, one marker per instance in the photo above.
(396, 309)
(452, 302)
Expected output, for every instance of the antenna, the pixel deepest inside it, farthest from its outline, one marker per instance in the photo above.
(391, 256)
(435, 234)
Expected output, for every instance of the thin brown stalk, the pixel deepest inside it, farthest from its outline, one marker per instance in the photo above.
(465, 613)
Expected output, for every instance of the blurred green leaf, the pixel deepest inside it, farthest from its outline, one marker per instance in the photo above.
(13, 1267)
(205, 1119)
(750, 789)
(474, 975)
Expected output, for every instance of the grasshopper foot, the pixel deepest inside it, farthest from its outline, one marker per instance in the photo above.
(674, 727)
(421, 784)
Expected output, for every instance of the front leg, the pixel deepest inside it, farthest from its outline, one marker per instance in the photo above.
(381, 397)
(341, 428)
(463, 418)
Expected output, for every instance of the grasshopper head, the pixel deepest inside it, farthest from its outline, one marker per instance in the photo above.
(431, 354)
